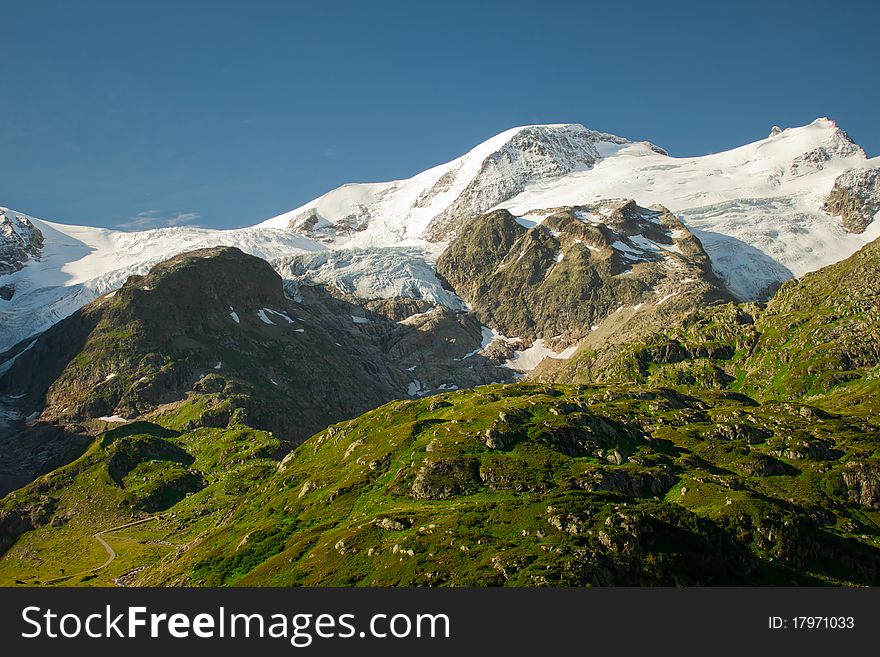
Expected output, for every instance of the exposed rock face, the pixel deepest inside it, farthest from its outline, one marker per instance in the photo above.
(863, 482)
(535, 153)
(838, 145)
(20, 241)
(814, 159)
(204, 320)
(855, 198)
(16, 521)
(814, 335)
(417, 347)
(214, 328)
(762, 465)
(633, 484)
(310, 223)
(444, 478)
(559, 278)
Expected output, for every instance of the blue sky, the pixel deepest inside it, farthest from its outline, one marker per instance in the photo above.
(226, 113)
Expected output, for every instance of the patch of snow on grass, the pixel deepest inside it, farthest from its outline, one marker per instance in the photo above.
(261, 313)
(112, 418)
(620, 246)
(529, 220)
(645, 244)
(528, 359)
(587, 217)
(627, 250)
(279, 314)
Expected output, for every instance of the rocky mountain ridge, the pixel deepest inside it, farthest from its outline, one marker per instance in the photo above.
(816, 339)
(20, 241)
(213, 329)
(855, 198)
(735, 445)
(428, 206)
(764, 213)
(557, 274)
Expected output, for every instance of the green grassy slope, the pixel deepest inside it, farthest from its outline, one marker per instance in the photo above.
(739, 446)
(187, 481)
(520, 484)
(817, 339)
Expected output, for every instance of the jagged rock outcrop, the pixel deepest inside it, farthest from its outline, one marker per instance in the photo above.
(20, 241)
(816, 334)
(312, 224)
(838, 144)
(533, 153)
(855, 198)
(213, 330)
(17, 520)
(555, 274)
(863, 483)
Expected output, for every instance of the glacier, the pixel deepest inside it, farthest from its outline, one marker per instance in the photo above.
(758, 209)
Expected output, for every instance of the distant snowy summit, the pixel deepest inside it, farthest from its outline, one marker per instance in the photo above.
(20, 241)
(429, 206)
(765, 212)
(791, 203)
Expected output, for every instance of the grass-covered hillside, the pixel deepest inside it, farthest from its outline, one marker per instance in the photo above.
(177, 483)
(214, 330)
(817, 339)
(521, 484)
(739, 445)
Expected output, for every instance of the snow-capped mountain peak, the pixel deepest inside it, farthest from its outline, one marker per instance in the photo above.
(427, 206)
(760, 209)
(19, 241)
(798, 200)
